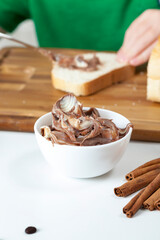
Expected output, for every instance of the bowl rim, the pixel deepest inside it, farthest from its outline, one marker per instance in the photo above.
(82, 147)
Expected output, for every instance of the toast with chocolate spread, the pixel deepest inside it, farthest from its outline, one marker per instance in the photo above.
(88, 73)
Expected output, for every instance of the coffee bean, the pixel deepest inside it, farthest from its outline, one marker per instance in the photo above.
(30, 230)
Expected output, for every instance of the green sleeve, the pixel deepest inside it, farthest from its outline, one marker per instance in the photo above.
(13, 12)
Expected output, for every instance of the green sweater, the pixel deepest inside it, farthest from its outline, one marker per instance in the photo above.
(84, 24)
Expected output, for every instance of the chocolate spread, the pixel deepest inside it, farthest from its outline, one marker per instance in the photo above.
(72, 125)
(77, 62)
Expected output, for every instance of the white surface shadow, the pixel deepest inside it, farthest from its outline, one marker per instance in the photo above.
(31, 171)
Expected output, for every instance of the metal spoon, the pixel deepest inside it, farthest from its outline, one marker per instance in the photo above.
(2, 35)
(44, 52)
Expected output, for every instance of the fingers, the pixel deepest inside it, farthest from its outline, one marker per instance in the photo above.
(139, 21)
(133, 33)
(140, 38)
(137, 45)
(143, 56)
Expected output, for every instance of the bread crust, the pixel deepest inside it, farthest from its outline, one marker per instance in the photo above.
(153, 70)
(153, 89)
(153, 73)
(90, 87)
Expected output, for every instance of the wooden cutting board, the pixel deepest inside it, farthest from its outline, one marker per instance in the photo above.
(26, 93)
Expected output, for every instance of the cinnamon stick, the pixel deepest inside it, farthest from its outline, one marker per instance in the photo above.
(139, 171)
(151, 188)
(130, 175)
(132, 202)
(136, 184)
(157, 204)
(150, 202)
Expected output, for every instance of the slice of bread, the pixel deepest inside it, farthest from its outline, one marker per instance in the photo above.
(153, 74)
(82, 83)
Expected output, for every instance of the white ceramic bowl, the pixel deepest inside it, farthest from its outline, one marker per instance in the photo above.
(83, 161)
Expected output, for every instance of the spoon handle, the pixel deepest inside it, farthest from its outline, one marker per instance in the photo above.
(2, 35)
(42, 51)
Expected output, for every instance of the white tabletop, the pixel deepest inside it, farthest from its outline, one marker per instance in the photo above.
(63, 208)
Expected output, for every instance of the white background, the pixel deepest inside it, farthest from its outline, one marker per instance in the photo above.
(64, 208)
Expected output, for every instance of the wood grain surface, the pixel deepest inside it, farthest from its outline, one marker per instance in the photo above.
(26, 93)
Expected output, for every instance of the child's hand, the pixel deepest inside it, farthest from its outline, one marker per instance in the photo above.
(140, 38)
